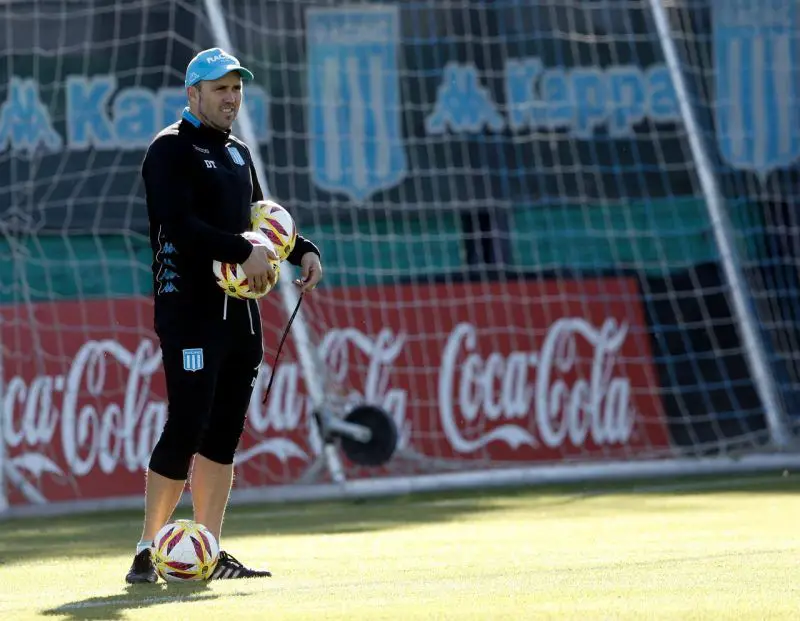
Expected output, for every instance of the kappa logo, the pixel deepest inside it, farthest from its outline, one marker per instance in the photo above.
(201, 149)
(193, 359)
(255, 377)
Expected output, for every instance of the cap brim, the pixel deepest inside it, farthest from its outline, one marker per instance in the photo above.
(218, 72)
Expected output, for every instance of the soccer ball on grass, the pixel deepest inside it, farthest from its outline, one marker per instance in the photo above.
(185, 551)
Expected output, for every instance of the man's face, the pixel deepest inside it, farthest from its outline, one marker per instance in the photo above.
(216, 102)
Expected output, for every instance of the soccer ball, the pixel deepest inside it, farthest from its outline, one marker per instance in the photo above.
(277, 224)
(231, 277)
(184, 551)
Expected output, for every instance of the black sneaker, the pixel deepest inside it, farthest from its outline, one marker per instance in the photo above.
(142, 570)
(228, 568)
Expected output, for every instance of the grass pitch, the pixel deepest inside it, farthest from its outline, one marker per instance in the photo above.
(696, 549)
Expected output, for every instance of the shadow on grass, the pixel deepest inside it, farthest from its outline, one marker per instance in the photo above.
(113, 607)
(115, 533)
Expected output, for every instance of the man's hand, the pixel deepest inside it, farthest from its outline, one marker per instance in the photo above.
(311, 272)
(260, 273)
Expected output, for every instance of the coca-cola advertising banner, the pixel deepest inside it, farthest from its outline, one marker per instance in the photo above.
(517, 372)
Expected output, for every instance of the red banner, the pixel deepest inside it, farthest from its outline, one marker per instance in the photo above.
(523, 372)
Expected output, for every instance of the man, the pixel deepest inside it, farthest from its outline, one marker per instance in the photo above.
(200, 182)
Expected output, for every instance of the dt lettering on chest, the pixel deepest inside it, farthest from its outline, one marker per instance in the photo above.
(233, 154)
(229, 158)
(221, 177)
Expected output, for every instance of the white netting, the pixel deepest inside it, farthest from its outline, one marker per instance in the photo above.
(519, 262)
(743, 74)
(517, 174)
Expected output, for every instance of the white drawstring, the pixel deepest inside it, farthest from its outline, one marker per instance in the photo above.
(250, 315)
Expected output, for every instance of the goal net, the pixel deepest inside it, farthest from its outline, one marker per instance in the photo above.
(520, 265)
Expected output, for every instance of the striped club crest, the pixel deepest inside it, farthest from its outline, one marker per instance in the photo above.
(236, 156)
(756, 107)
(355, 138)
(193, 359)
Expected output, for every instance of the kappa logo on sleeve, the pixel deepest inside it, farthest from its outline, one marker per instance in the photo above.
(255, 377)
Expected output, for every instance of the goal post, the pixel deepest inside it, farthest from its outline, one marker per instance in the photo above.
(312, 369)
(549, 232)
(729, 255)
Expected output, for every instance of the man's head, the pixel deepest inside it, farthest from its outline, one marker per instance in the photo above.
(214, 87)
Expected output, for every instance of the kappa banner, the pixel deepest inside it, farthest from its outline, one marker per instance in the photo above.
(514, 372)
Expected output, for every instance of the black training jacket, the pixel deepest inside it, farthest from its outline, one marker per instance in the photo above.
(200, 183)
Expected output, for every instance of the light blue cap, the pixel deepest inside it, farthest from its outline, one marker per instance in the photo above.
(212, 64)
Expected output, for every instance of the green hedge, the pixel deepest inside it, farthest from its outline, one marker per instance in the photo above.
(659, 236)
(357, 252)
(84, 266)
(367, 251)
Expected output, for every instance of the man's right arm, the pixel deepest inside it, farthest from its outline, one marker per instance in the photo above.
(170, 195)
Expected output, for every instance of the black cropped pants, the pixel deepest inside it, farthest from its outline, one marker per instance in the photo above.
(211, 365)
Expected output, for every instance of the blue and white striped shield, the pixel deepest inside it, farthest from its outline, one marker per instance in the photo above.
(756, 48)
(355, 138)
(193, 359)
(236, 156)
